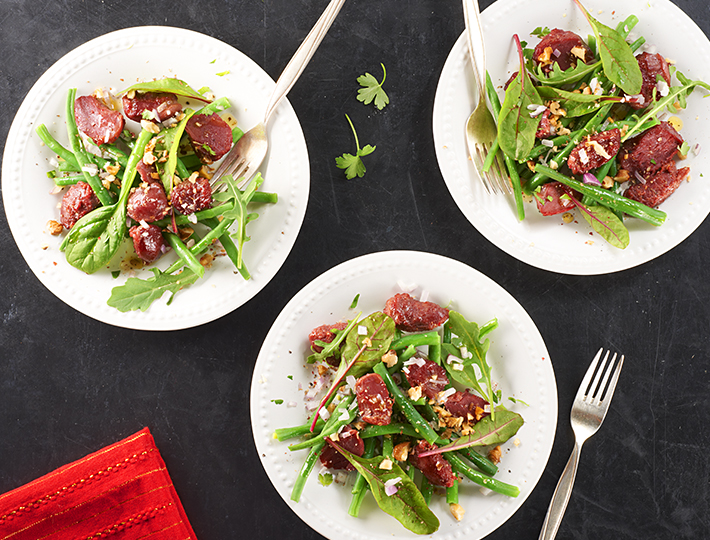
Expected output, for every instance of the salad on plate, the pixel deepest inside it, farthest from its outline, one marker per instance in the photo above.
(590, 126)
(135, 183)
(403, 405)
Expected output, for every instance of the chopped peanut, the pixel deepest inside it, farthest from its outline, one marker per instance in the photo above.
(401, 451)
(389, 358)
(495, 454)
(457, 511)
(54, 227)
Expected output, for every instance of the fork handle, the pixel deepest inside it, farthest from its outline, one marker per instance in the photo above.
(561, 496)
(476, 46)
(302, 56)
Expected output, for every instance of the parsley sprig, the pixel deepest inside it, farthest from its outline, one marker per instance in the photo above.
(352, 164)
(372, 90)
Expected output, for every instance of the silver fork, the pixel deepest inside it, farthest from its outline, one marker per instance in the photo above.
(480, 126)
(246, 156)
(588, 411)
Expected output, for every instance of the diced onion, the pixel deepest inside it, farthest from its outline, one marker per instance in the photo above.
(391, 486)
(547, 142)
(362, 330)
(639, 177)
(589, 178)
(696, 149)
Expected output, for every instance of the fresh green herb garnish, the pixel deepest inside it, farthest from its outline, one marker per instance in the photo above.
(325, 479)
(277, 401)
(372, 90)
(353, 304)
(353, 164)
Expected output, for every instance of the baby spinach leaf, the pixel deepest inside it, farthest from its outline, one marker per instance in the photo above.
(95, 238)
(167, 85)
(468, 335)
(620, 65)
(516, 128)
(377, 340)
(487, 431)
(606, 223)
(407, 505)
(141, 293)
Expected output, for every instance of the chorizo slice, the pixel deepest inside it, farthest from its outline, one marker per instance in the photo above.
(646, 153)
(373, 400)
(466, 405)
(349, 439)
(210, 136)
(436, 469)
(101, 124)
(411, 315)
(562, 47)
(594, 151)
(658, 187)
(554, 198)
(78, 201)
(147, 241)
(191, 195)
(164, 105)
(651, 66)
(430, 376)
(147, 202)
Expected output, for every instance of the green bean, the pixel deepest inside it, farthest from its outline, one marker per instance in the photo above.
(230, 248)
(204, 243)
(81, 155)
(608, 198)
(481, 479)
(333, 424)
(387, 446)
(435, 353)
(185, 255)
(306, 471)
(284, 434)
(181, 169)
(360, 486)
(483, 463)
(421, 426)
(53, 145)
(452, 493)
(417, 340)
(426, 489)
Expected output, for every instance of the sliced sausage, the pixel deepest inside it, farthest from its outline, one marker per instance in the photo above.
(646, 153)
(147, 241)
(427, 374)
(101, 124)
(191, 195)
(436, 469)
(562, 47)
(148, 172)
(164, 105)
(651, 65)
(325, 334)
(350, 440)
(373, 400)
(554, 198)
(411, 315)
(78, 201)
(147, 202)
(594, 151)
(545, 128)
(211, 136)
(658, 187)
(466, 405)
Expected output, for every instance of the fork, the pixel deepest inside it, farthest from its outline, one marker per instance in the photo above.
(588, 411)
(480, 126)
(246, 156)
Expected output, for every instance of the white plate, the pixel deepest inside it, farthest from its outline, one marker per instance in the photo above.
(519, 360)
(545, 242)
(117, 60)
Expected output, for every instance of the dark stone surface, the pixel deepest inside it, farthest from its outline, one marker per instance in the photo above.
(70, 385)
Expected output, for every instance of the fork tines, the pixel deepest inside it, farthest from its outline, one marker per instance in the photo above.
(602, 387)
(495, 180)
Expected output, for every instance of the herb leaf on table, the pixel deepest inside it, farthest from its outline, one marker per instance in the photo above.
(372, 90)
(352, 164)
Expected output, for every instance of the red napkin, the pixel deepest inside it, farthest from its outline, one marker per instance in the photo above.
(122, 492)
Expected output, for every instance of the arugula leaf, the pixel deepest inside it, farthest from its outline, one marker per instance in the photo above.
(377, 340)
(575, 105)
(468, 335)
(540, 32)
(487, 431)
(620, 65)
(407, 505)
(167, 85)
(516, 129)
(372, 90)
(352, 164)
(570, 75)
(332, 348)
(141, 293)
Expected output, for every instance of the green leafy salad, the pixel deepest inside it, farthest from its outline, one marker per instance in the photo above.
(589, 126)
(404, 399)
(135, 184)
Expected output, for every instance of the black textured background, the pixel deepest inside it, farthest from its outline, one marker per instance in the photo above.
(70, 385)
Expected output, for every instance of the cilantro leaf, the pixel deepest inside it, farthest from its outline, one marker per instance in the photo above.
(352, 164)
(372, 90)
